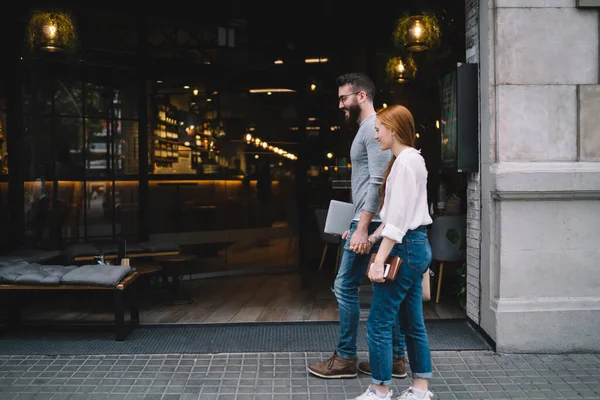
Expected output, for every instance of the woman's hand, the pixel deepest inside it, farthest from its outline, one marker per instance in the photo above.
(376, 272)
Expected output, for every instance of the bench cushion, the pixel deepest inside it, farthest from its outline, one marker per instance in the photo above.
(33, 274)
(6, 261)
(96, 275)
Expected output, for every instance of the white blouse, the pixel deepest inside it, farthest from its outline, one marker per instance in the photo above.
(405, 205)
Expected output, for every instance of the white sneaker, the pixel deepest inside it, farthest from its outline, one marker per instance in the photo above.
(409, 395)
(369, 395)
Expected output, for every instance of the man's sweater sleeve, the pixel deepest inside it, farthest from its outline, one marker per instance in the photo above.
(378, 162)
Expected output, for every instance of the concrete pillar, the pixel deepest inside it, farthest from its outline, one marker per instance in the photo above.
(540, 179)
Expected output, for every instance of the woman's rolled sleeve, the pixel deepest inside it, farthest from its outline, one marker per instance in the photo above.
(400, 202)
(390, 231)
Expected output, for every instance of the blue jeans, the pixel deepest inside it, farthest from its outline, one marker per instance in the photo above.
(351, 274)
(403, 295)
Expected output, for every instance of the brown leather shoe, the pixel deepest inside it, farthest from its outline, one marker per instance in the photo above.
(398, 368)
(335, 367)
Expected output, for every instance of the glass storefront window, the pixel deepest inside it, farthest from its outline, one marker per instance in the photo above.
(3, 133)
(100, 209)
(111, 209)
(4, 216)
(79, 140)
(52, 148)
(53, 212)
(38, 214)
(126, 160)
(68, 148)
(112, 147)
(99, 147)
(68, 98)
(37, 160)
(3, 145)
(126, 208)
(67, 211)
(38, 88)
(105, 102)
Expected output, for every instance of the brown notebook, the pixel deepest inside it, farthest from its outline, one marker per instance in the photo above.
(392, 266)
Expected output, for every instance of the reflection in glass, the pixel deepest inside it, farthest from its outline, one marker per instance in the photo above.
(3, 134)
(264, 227)
(37, 92)
(112, 146)
(112, 209)
(126, 203)
(68, 98)
(59, 213)
(37, 159)
(98, 139)
(127, 149)
(4, 216)
(3, 145)
(99, 210)
(2, 94)
(53, 212)
(107, 102)
(52, 149)
(68, 147)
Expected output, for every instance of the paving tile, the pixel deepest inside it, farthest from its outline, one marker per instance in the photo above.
(457, 375)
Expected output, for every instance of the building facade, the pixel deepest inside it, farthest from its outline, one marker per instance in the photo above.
(534, 208)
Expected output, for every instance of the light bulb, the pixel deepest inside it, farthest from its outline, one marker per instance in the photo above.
(50, 31)
(417, 30)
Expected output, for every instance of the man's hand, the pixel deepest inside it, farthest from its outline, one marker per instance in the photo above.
(359, 242)
(345, 235)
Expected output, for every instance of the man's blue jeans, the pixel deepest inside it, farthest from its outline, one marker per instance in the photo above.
(404, 295)
(351, 274)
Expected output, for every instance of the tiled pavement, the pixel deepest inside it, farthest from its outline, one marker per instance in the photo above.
(457, 375)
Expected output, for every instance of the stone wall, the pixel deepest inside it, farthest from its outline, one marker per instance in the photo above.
(540, 232)
(473, 179)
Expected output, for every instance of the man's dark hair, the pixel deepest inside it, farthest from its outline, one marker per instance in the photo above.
(359, 82)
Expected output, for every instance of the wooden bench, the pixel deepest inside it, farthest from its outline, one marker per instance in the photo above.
(125, 290)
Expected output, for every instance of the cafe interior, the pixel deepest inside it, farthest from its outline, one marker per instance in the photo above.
(213, 132)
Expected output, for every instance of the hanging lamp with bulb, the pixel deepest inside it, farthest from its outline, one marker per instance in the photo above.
(51, 31)
(401, 68)
(417, 32)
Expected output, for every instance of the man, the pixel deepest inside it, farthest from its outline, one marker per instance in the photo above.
(355, 98)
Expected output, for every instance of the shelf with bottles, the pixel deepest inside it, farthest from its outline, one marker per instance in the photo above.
(166, 150)
(167, 114)
(166, 126)
(166, 132)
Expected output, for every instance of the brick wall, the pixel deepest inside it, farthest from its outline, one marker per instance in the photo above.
(474, 182)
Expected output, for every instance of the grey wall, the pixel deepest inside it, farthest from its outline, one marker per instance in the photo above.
(473, 179)
(540, 175)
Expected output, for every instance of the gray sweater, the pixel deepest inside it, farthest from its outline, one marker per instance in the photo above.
(369, 163)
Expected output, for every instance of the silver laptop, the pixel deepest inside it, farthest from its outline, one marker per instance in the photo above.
(339, 217)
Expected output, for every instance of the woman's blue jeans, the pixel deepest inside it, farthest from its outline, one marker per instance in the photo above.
(351, 274)
(404, 295)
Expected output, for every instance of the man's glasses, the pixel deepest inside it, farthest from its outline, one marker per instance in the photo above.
(344, 97)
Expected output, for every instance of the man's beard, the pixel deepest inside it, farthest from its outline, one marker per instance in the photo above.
(353, 115)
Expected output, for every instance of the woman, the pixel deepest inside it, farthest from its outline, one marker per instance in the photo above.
(404, 215)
